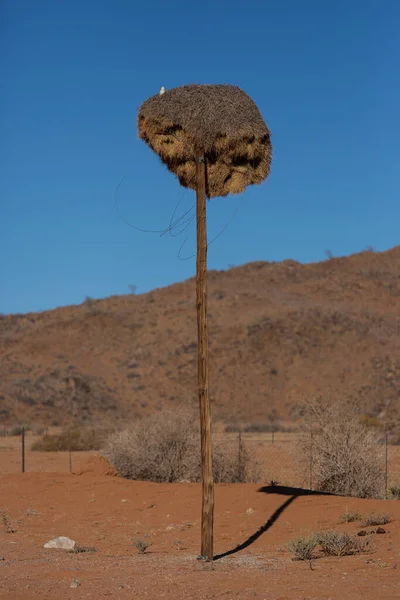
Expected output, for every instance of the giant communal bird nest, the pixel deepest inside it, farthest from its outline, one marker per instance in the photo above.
(219, 121)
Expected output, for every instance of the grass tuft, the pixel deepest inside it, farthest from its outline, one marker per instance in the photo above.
(141, 544)
(351, 517)
(303, 546)
(5, 517)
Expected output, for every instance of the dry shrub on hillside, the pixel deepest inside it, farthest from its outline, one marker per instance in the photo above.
(346, 456)
(165, 447)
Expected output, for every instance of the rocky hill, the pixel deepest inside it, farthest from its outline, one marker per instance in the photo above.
(279, 334)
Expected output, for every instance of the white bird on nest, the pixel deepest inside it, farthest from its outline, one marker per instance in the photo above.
(162, 91)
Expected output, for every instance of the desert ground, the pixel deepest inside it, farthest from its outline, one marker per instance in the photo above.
(253, 526)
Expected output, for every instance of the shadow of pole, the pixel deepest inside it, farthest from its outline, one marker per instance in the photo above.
(281, 490)
(260, 531)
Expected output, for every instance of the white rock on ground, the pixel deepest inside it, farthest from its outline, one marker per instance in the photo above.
(61, 542)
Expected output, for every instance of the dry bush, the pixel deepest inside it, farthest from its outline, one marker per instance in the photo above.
(232, 428)
(233, 463)
(395, 438)
(394, 492)
(368, 421)
(376, 519)
(75, 439)
(270, 427)
(38, 429)
(351, 517)
(339, 543)
(346, 456)
(14, 431)
(5, 518)
(165, 447)
(303, 546)
(141, 544)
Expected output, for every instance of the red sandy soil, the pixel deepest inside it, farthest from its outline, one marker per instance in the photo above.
(107, 512)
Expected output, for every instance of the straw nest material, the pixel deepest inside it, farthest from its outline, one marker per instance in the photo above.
(220, 121)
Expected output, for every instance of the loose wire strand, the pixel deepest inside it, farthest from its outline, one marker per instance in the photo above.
(179, 222)
(172, 225)
(216, 236)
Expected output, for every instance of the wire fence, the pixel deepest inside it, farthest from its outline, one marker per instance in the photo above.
(276, 455)
(280, 459)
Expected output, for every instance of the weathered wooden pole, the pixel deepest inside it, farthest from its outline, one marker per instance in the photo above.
(181, 125)
(207, 514)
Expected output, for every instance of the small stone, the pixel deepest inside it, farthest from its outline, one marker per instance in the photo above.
(75, 583)
(250, 511)
(362, 532)
(61, 542)
(381, 530)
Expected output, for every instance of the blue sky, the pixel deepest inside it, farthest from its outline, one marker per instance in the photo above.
(73, 74)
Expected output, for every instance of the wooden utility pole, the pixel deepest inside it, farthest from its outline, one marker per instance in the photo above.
(207, 514)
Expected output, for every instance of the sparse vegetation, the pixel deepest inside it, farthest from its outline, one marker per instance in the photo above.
(339, 543)
(75, 439)
(273, 483)
(232, 428)
(165, 447)
(15, 430)
(368, 421)
(54, 389)
(179, 545)
(395, 438)
(351, 517)
(331, 543)
(303, 546)
(38, 429)
(141, 544)
(132, 288)
(262, 427)
(394, 492)
(81, 549)
(5, 517)
(346, 456)
(376, 519)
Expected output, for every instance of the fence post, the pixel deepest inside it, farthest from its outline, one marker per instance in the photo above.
(23, 448)
(386, 464)
(240, 456)
(311, 460)
(273, 436)
(69, 450)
